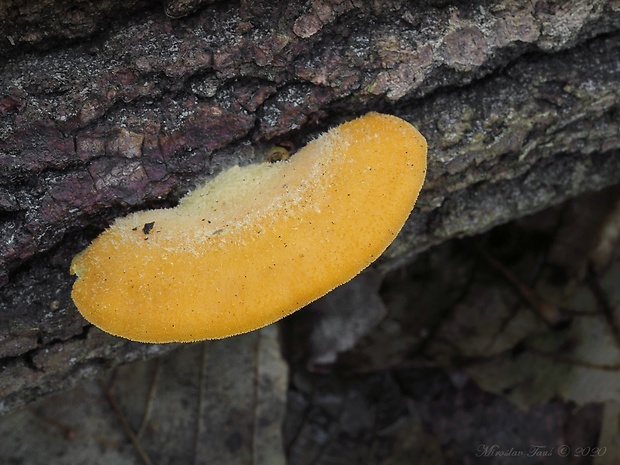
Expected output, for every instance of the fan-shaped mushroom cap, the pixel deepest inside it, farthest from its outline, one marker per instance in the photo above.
(255, 243)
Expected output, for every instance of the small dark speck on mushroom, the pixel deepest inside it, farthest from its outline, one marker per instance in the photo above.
(147, 227)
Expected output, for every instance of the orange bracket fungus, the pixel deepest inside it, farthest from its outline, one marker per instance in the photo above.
(255, 243)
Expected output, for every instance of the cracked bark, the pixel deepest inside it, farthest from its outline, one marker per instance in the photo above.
(125, 105)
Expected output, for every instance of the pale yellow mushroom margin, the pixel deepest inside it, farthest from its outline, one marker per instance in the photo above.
(255, 243)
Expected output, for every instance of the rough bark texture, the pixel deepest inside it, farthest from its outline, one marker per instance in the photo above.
(108, 107)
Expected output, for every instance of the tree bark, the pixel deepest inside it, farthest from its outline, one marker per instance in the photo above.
(122, 106)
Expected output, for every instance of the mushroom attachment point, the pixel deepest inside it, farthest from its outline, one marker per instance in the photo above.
(255, 243)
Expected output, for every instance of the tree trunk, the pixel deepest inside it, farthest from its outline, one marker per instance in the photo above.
(110, 107)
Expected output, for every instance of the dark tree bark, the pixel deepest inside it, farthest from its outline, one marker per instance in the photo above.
(108, 107)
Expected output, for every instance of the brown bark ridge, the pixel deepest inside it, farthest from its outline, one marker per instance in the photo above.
(108, 107)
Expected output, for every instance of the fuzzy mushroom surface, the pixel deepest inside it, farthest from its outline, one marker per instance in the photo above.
(255, 243)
